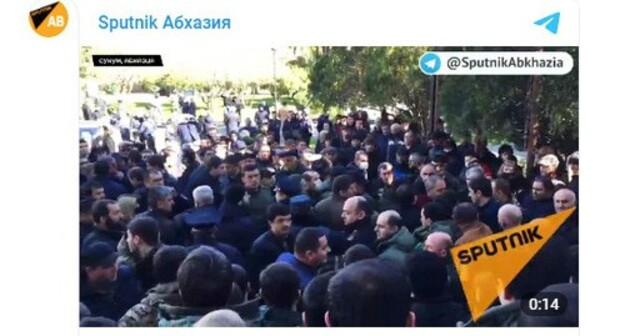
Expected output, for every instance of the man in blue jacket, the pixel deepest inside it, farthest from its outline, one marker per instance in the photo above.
(311, 249)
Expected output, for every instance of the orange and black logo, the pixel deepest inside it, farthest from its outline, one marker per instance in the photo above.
(49, 20)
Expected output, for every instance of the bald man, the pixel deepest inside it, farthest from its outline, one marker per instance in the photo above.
(439, 243)
(564, 199)
(509, 216)
(394, 241)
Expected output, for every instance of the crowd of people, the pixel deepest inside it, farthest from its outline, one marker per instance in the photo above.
(266, 228)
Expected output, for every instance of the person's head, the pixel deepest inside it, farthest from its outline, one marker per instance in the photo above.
(264, 153)
(354, 209)
(439, 243)
(315, 300)
(290, 160)
(573, 164)
(279, 219)
(160, 198)
(107, 215)
(311, 180)
(509, 167)
(501, 190)
(205, 278)
(203, 195)
(564, 199)
(369, 293)
(435, 186)
(86, 211)
(402, 155)
(504, 151)
(416, 161)
(428, 275)
(142, 235)
(470, 159)
(94, 190)
(84, 148)
(98, 265)
(427, 171)
(287, 187)
(439, 163)
(361, 160)
(267, 177)
(128, 205)
(311, 247)
(542, 188)
(465, 214)
(509, 216)
(548, 165)
(153, 178)
(409, 138)
(216, 166)
(136, 176)
(104, 166)
(341, 186)
(474, 173)
(166, 262)
(356, 253)
(251, 178)
(388, 224)
(279, 285)
(232, 167)
(396, 129)
(480, 191)
(156, 162)
(330, 153)
(220, 319)
(386, 173)
(432, 212)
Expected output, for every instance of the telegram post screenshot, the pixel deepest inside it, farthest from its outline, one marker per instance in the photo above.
(315, 164)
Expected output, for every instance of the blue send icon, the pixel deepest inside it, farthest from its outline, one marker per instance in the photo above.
(550, 22)
(430, 63)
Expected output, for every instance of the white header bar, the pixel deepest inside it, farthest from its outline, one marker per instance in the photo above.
(332, 22)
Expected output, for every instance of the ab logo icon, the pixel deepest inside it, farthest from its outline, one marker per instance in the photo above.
(49, 20)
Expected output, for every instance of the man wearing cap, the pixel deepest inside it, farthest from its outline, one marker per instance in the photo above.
(286, 188)
(549, 165)
(291, 164)
(202, 223)
(106, 289)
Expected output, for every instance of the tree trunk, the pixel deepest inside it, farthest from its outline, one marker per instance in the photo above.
(533, 125)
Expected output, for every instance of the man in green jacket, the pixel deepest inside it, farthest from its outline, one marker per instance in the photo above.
(394, 241)
(434, 218)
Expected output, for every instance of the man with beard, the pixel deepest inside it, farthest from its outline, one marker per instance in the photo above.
(108, 228)
(106, 289)
(143, 242)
